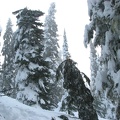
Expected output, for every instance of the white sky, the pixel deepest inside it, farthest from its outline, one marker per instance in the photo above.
(71, 15)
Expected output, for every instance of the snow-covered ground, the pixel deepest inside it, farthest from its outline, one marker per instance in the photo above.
(11, 109)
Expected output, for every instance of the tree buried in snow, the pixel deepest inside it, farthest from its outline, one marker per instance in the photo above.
(78, 94)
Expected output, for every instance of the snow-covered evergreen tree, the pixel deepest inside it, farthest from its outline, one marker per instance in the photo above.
(32, 77)
(66, 53)
(95, 66)
(105, 22)
(51, 39)
(51, 51)
(79, 97)
(8, 53)
(65, 56)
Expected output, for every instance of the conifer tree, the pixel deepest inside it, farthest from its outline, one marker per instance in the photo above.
(95, 66)
(105, 22)
(79, 96)
(51, 51)
(65, 56)
(65, 47)
(8, 53)
(51, 38)
(32, 77)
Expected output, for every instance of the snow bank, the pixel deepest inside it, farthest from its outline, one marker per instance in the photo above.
(11, 109)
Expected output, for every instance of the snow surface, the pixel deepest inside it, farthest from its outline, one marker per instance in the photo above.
(11, 109)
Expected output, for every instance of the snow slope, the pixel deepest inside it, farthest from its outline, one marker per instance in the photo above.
(11, 109)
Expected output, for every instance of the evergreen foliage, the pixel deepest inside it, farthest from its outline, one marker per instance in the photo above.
(8, 53)
(95, 66)
(51, 37)
(51, 52)
(66, 53)
(79, 97)
(32, 77)
(105, 22)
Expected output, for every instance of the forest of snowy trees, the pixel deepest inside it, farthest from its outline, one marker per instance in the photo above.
(37, 73)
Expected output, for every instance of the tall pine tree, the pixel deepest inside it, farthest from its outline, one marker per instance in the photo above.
(32, 77)
(51, 51)
(105, 22)
(65, 56)
(8, 53)
(51, 39)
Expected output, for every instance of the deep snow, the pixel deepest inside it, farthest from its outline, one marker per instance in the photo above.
(11, 109)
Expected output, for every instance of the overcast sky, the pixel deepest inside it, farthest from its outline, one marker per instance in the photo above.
(71, 15)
